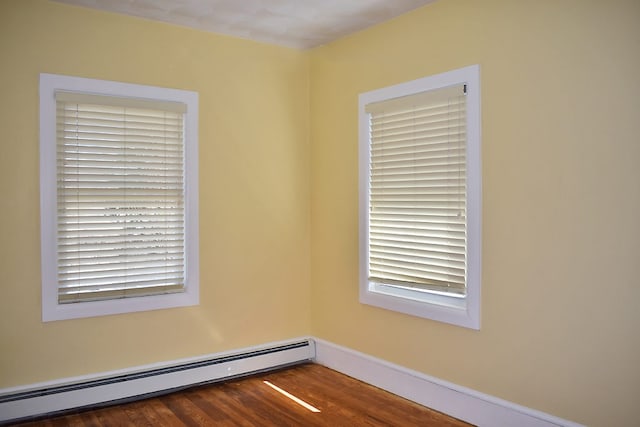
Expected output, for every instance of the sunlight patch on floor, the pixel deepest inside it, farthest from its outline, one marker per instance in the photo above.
(292, 397)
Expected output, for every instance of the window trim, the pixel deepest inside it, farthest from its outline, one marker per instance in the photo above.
(51, 309)
(464, 311)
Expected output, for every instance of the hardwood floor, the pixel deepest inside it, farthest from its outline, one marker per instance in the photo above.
(341, 401)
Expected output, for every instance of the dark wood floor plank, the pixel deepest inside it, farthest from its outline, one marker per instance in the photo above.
(249, 402)
(209, 400)
(218, 415)
(186, 411)
(114, 416)
(90, 419)
(135, 414)
(158, 413)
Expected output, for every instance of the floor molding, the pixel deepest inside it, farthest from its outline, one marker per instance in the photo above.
(454, 400)
(457, 401)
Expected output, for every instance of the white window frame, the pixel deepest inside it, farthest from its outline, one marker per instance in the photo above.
(51, 309)
(461, 311)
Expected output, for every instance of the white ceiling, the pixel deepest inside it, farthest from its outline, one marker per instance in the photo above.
(299, 24)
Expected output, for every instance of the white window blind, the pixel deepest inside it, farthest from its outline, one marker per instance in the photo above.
(120, 197)
(417, 191)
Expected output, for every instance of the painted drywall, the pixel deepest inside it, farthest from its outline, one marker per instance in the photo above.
(254, 189)
(561, 200)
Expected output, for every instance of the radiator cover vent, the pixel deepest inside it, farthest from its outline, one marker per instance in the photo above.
(21, 403)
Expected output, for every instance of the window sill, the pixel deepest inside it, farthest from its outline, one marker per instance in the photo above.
(454, 310)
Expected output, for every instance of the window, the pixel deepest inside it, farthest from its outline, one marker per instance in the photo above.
(119, 197)
(420, 197)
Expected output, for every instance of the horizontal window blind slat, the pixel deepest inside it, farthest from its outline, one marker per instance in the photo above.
(120, 228)
(75, 147)
(75, 141)
(425, 138)
(103, 102)
(418, 252)
(418, 229)
(417, 240)
(115, 294)
(418, 235)
(116, 201)
(111, 249)
(427, 244)
(404, 272)
(132, 163)
(409, 180)
(117, 261)
(116, 122)
(431, 112)
(417, 130)
(444, 119)
(424, 146)
(91, 198)
(71, 143)
(452, 194)
(164, 208)
(421, 100)
(82, 127)
(75, 125)
(435, 215)
(106, 112)
(171, 283)
(451, 191)
(127, 274)
(168, 217)
(447, 123)
(77, 189)
(410, 207)
(429, 204)
(424, 167)
(149, 245)
(426, 268)
(416, 160)
(122, 223)
(422, 285)
(100, 156)
(399, 172)
(443, 226)
(115, 257)
(127, 132)
(124, 262)
(123, 281)
(438, 264)
(442, 281)
(71, 221)
(127, 280)
(149, 282)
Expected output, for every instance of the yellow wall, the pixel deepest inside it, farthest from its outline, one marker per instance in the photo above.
(561, 200)
(254, 189)
(278, 195)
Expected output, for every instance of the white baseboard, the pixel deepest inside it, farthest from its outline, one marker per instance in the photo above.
(459, 402)
(54, 396)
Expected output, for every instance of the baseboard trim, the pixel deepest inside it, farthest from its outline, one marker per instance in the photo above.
(454, 400)
(53, 397)
(25, 402)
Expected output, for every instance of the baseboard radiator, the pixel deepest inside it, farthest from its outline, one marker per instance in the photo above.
(20, 404)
